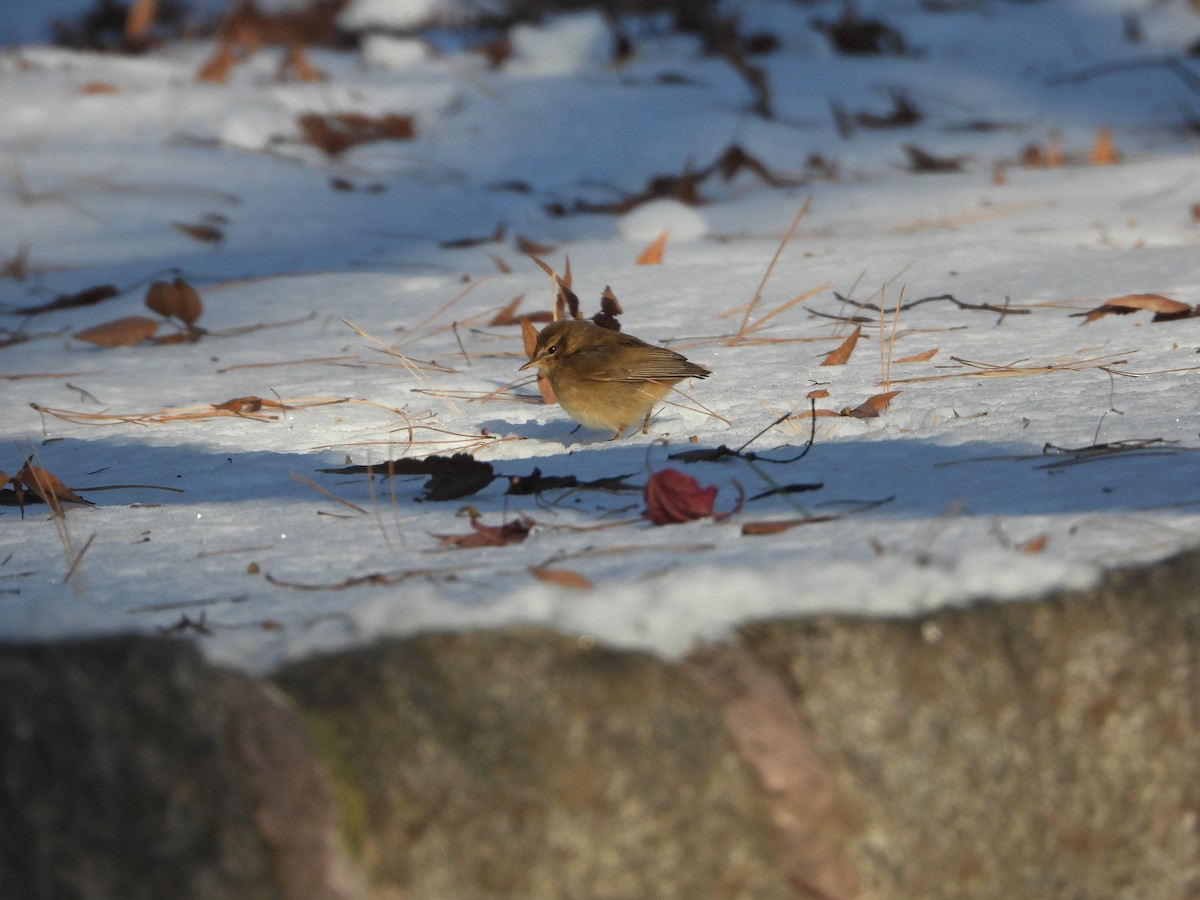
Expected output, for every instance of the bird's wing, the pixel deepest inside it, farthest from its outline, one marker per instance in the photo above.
(658, 364)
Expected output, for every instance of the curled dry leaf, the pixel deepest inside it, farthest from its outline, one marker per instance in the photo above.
(840, 355)
(531, 247)
(818, 394)
(653, 255)
(47, 487)
(177, 300)
(243, 405)
(920, 357)
(451, 477)
(563, 577)
(513, 532)
(1164, 308)
(871, 407)
(535, 483)
(610, 308)
(338, 132)
(206, 234)
(119, 333)
(99, 87)
(923, 161)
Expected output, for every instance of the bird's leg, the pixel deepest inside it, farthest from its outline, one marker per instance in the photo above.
(620, 431)
(646, 423)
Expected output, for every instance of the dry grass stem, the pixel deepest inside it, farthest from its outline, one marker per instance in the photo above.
(203, 413)
(415, 367)
(33, 376)
(484, 396)
(308, 482)
(885, 359)
(260, 326)
(745, 331)
(1013, 370)
(323, 360)
(696, 406)
(970, 217)
(79, 557)
(787, 236)
(56, 514)
(441, 309)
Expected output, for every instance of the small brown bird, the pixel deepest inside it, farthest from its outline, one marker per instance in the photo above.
(604, 378)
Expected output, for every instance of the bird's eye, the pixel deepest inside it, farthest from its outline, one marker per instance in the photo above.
(552, 349)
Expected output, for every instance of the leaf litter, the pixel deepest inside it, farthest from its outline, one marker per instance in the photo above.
(752, 357)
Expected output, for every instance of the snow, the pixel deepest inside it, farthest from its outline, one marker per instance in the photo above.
(932, 503)
(566, 45)
(648, 221)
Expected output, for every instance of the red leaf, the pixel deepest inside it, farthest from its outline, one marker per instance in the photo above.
(673, 497)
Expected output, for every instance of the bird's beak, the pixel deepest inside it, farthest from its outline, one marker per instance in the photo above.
(532, 362)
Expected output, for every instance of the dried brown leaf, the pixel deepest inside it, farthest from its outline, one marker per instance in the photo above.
(295, 65)
(463, 242)
(450, 477)
(219, 65)
(923, 161)
(1103, 152)
(1035, 545)
(47, 487)
(119, 333)
(529, 335)
(818, 394)
(653, 255)
(242, 405)
(513, 532)
(531, 247)
(920, 357)
(841, 354)
(1164, 308)
(610, 308)
(508, 316)
(563, 577)
(200, 231)
(871, 407)
(176, 299)
(86, 297)
(336, 133)
(1054, 154)
(769, 528)
(139, 19)
(99, 87)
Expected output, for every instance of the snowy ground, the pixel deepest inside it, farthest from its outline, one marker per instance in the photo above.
(102, 153)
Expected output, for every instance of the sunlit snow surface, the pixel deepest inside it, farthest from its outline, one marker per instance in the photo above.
(94, 181)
